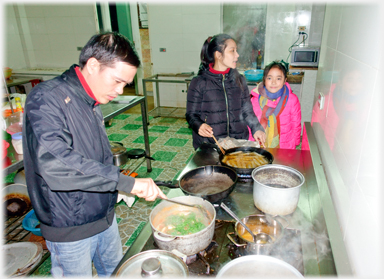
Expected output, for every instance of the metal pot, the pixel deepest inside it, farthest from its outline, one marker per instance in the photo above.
(258, 266)
(186, 244)
(259, 223)
(119, 152)
(205, 182)
(276, 189)
(245, 172)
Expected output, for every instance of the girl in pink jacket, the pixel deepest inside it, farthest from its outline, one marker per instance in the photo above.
(277, 108)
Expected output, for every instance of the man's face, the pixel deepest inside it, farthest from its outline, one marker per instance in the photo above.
(107, 83)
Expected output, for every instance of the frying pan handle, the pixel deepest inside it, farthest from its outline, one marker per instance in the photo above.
(229, 235)
(169, 183)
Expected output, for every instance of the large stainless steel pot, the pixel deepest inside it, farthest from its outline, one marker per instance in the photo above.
(258, 266)
(258, 223)
(119, 152)
(276, 189)
(185, 244)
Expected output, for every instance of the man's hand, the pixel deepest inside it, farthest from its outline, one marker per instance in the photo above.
(260, 137)
(146, 188)
(205, 130)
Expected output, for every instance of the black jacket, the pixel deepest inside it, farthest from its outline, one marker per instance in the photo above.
(219, 101)
(68, 163)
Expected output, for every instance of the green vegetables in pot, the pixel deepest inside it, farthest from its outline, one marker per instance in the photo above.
(183, 224)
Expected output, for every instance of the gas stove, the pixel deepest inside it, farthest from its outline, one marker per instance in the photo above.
(221, 250)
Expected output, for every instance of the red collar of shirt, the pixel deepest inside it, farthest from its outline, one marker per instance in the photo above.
(85, 84)
(212, 70)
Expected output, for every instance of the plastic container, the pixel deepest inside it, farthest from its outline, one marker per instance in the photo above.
(254, 75)
(30, 222)
(17, 142)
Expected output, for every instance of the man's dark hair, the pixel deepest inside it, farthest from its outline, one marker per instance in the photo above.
(109, 48)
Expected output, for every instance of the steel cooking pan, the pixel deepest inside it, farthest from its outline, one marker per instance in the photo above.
(212, 182)
(242, 172)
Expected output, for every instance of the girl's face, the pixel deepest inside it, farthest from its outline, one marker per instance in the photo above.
(275, 80)
(228, 59)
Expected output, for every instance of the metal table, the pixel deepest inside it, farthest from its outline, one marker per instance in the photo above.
(317, 254)
(110, 110)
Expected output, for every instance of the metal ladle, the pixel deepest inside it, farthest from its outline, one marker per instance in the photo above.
(258, 238)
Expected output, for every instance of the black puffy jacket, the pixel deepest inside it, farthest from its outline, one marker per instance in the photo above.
(219, 101)
(68, 163)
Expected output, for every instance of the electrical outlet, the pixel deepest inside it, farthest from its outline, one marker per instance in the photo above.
(301, 28)
(321, 100)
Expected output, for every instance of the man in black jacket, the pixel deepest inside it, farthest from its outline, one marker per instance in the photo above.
(71, 179)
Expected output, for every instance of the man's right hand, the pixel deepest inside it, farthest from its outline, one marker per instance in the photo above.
(146, 188)
(205, 130)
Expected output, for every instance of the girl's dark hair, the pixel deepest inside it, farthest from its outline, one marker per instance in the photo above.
(275, 64)
(109, 48)
(207, 56)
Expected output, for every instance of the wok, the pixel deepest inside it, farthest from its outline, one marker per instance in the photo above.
(212, 182)
(246, 173)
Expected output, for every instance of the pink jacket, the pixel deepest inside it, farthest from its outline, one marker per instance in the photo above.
(290, 118)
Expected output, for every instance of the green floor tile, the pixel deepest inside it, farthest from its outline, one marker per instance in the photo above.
(164, 156)
(141, 118)
(142, 172)
(122, 116)
(190, 157)
(184, 131)
(131, 127)
(117, 137)
(176, 142)
(135, 234)
(168, 120)
(158, 129)
(118, 220)
(141, 139)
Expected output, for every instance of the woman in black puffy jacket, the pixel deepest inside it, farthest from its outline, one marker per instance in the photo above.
(218, 101)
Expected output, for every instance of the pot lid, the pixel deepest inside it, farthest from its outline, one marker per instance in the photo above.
(153, 264)
(116, 150)
(21, 257)
(258, 266)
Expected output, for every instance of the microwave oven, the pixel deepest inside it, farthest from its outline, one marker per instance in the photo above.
(305, 56)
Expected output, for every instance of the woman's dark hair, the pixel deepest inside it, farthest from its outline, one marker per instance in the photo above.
(207, 55)
(109, 48)
(275, 64)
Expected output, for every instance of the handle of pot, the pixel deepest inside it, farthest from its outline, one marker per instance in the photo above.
(284, 219)
(163, 238)
(169, 183)
(229, 235)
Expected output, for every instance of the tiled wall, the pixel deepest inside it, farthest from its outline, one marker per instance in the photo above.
(50, 34)
(350, 75)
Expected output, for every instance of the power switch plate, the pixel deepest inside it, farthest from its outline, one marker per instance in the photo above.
(301, 28)
(162, 49)
(321, 100)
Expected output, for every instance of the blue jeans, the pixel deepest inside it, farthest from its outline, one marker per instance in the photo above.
(75, 258)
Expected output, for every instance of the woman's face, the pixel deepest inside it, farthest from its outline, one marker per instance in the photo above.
(275, 80)
(228, 59)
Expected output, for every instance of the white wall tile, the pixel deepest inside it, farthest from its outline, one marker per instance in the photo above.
(359, 26)
(84, 25)
(34, 10)
(57, 10)
(37, 25)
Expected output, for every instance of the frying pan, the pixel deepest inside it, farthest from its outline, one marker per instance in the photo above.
(212, 182)
(241, 171)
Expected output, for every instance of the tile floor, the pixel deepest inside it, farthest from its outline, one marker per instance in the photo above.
(171, 147)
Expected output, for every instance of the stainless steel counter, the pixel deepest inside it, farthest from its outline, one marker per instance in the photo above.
(308, 218)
